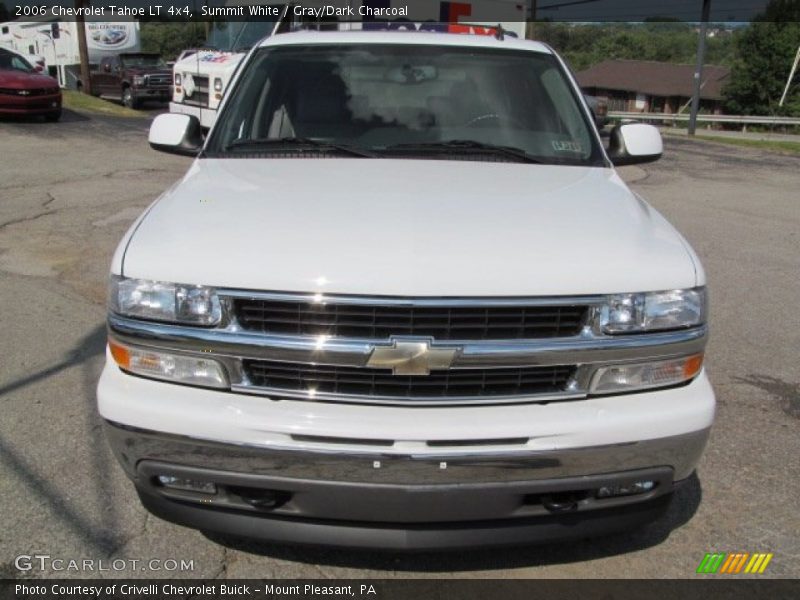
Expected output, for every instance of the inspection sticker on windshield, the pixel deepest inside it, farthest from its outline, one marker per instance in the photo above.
(567, 146)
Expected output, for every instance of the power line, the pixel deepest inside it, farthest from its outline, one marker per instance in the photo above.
(568, 3)
(791, 76)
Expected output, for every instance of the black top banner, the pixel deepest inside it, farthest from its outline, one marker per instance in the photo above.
(501, 11)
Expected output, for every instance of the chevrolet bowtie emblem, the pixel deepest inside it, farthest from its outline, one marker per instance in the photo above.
(406, 357)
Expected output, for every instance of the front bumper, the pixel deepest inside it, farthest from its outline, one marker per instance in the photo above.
(409, 537)
(148, 93)
(275, 422)
(399, 502)
(399, 477)
(30, 105)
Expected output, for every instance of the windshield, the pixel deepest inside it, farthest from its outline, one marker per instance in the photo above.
(13, 62)
(410, 100)
(238, 36)
(142, 60)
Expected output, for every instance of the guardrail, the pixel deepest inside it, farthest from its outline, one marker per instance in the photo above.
(740, 119)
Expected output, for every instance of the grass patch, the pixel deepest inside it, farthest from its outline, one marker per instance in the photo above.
(83, 102)
(771, 145)
(779, 146)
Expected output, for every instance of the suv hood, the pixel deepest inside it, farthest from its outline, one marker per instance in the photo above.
(407, 228)
(25, 81)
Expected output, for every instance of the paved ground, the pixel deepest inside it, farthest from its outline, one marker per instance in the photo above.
(69, 190)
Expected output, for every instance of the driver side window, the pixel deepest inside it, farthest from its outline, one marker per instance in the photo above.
(19, 65)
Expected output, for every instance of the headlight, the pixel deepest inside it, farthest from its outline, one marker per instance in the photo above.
(217, 84)
(190, 370)
(642, 376)
(138, 80)
(158, 301)
(654, 311)
(177, 79)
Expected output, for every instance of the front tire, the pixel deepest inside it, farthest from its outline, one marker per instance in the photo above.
(53, 116)
(128, 99)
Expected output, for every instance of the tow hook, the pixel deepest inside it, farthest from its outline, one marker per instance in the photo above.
(561, 503)
(262, 499)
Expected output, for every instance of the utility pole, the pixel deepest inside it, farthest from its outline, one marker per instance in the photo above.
(530, 31)
(80, 25)
(698, 72)
(791, 76)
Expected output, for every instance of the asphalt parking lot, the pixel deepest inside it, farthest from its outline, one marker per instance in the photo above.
(69, 190)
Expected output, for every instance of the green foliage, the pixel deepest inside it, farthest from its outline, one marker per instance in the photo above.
(760, 54)
(170, 38)
(588, 44)
(765, 52)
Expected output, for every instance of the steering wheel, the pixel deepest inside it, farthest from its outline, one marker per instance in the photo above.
(494, 117)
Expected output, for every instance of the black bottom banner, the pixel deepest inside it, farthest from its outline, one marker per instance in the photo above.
(397, 589)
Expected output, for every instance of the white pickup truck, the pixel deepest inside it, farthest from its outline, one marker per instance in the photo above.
(402, 299)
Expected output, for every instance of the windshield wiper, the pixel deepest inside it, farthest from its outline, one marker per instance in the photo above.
(464, 146)
(297, 144)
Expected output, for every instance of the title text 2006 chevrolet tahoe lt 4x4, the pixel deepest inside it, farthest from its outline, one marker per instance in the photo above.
(402, 299)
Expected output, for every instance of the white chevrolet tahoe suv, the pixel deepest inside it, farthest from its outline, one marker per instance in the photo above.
(402, 299)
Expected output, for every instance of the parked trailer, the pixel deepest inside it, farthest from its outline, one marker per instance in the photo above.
(56, 42)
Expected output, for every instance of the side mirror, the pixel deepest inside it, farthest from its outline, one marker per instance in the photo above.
(634, 143)
(176, 134)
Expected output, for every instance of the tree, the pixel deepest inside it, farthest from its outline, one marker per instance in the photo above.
(664, 41)
(170, 38)
(764, 54)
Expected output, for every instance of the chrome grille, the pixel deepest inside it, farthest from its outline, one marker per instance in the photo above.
(376, 321)
(29, 92)
(160, 80)
(200, 95)
(313, 380)
(345, 369)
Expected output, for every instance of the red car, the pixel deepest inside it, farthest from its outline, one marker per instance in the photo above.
(24, 91)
